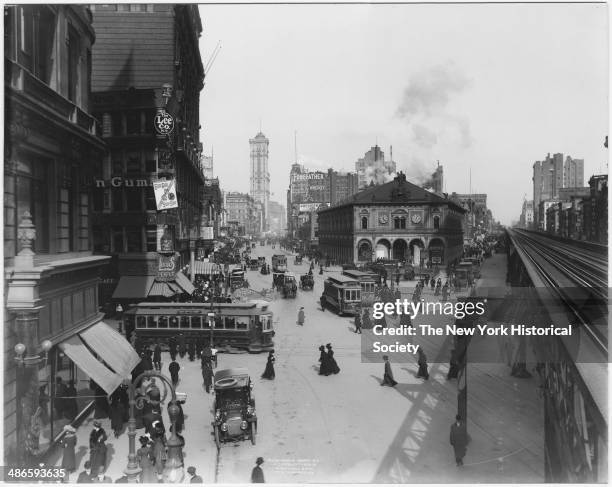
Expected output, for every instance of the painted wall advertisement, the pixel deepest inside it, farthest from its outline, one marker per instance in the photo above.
(165, 238)
(166, 267)
(165, 194)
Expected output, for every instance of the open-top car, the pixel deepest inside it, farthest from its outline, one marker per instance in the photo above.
(306, 282)
(235, 417)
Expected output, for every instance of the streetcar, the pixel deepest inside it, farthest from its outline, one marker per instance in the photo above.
(279, 263)
(245, 326)
(368, 282)
(341, 293)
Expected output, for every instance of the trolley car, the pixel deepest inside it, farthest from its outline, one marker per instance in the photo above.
(235, 325)
(367, 281)
(341, 293)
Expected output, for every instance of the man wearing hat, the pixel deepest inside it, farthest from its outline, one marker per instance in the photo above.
(388, 377)
(85, 477)
(97, 446)
(101, 478)
(68, 444)
(193, 478)
(257, 476)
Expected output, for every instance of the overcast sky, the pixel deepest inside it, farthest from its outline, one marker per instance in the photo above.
(487, 87)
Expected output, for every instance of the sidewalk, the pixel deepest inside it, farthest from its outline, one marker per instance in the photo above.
(505, 415)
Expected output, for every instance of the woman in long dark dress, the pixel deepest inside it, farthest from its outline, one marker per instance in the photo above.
(69, 443)
(269, 371)
(117, 413)
(159, 450)
(97, 446)
(333, 366)
(324, 367)
(145, 460)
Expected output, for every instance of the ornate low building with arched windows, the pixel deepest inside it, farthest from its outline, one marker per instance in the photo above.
(397, 220)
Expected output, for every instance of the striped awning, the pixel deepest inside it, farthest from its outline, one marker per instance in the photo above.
(181, 284)
(206, 268)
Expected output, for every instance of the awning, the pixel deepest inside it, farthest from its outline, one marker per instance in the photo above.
(165, 289)
(182, 280)
(133, 287)
(112, 347)
(206, 268)
(80, 355)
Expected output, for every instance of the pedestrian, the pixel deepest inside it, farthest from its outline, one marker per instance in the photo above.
(333, 366)
(453, 370)
(388, 379)
(207, 375)
(85, 477)
(148, 474)
(97, 447)
(117, 412)
(193, 478)
(101, 478)
(257, 476)
(157, 356)
(422, 361)
(432, 283)
(301, 316)
(438, 288)
(159, 448)
(180, 417)
(397, 278)
(182, 346)
(174, 368)
(68, 444)
(358, 322)
(71, 408)
(146, 361)
(366, 321)
(459, 439)
(445, 291)
(269, 371)
(172, 347)
(323, 368)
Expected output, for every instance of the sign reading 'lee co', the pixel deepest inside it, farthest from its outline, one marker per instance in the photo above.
(163, 123)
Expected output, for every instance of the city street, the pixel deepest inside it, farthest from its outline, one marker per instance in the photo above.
(345, 427)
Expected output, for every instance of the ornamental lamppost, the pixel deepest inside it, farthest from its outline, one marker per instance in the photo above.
(211, 321)
(173, 470)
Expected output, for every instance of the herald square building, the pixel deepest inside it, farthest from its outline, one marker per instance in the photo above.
(397, 220)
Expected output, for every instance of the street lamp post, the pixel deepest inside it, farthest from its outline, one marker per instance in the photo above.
(173, 470)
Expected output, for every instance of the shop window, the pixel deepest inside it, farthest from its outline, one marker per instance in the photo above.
(134, 239)
(364, 222)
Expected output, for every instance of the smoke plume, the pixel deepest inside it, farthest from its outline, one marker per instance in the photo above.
(426, 104)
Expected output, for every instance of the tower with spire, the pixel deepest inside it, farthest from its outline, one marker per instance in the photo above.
(260, 177)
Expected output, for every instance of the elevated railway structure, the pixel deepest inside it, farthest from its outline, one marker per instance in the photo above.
(566, 283)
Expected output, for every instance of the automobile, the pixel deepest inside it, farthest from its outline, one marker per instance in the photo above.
(290, 287)
(235, 417)
(306, 282)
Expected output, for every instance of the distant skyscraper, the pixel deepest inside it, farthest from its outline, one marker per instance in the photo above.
(553, 174)
(372, 167)
(260, 177)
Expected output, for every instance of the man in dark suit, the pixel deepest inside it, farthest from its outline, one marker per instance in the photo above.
(459, 439)
(157, 357)
(193, 478)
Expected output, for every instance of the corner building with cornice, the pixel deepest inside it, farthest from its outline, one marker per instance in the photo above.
(396, 220)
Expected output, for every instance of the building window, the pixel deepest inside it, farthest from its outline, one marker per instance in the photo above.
(133, 199)
(399, 222)
(73, 64)
(151, 231)
(133, 236)
(150, 203)
(117, 236)
(45, 37)
(436, 221)
(117, 195)
(132, 122)
(117, 123)
(364, 222)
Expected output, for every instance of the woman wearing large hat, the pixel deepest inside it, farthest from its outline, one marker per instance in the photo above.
(68, 444)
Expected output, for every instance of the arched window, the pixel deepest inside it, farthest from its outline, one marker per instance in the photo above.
(364, 222)
(436, 220)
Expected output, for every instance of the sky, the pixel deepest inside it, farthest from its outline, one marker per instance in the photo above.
(485, 90)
